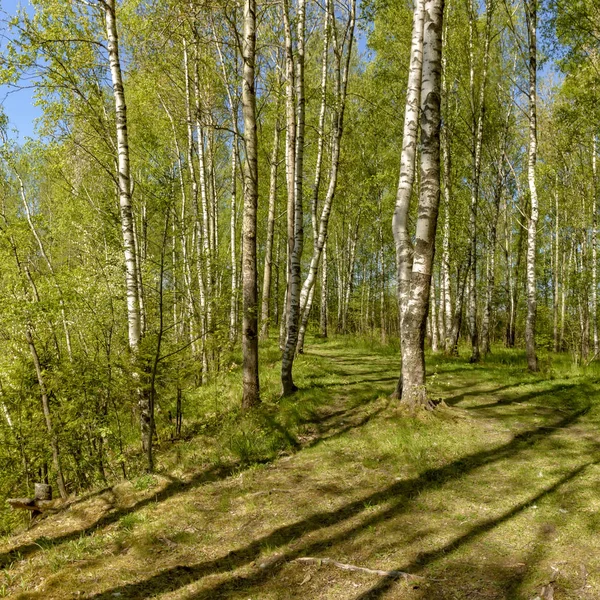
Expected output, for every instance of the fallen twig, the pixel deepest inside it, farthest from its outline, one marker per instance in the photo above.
(269, 492)
(347, 567)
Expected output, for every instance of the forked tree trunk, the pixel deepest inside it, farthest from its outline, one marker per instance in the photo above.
(402, 239)
(250, 392)
(531, 17)
(414, 394)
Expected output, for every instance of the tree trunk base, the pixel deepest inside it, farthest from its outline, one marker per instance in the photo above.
(417, 399)
(289, 390)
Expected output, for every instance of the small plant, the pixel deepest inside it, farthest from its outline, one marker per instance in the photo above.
(144, 482)
(128, 522)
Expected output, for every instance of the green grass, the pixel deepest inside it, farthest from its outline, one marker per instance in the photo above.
(492, 495)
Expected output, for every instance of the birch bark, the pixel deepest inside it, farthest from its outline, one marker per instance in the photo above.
(531, 17)
(251, 388)
(124, 178)
(293, 317)
(402, 240)
(414, 394)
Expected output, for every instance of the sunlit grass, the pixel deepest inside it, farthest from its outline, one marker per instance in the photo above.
(492, 495)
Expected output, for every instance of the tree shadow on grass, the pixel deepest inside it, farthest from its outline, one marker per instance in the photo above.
(522, 398)
(454, 400)
(397, 495)
(427, 558)
(330, 426)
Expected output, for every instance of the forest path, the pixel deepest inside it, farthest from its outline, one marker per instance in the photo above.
(492, 497)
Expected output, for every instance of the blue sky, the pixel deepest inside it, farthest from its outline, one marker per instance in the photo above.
(17, 103)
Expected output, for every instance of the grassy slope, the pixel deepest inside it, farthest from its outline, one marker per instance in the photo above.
(493, 496)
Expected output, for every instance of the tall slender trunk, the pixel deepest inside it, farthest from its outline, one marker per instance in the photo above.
(531, 16)
(266, 291)
(402, 239)
(290, 160)
(324, 293)
(293, 317)
(478, 114)
(382, 275)
(196, 237)
(56, 463)
(251, 388)
(563, 301)
(233, 303)
(413, 322)
(594, 307)
(127, 223)
(457, 314)
(493, 231)
(445, 292)
(433, 317)
(124, 178)
(205, 225)
(556, 271)
(341, 84)
(186, 269)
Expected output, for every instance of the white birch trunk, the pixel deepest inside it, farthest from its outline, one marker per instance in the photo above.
(531, 16)
(415, 314)
(251, 388)
(293, 317)
(402, 239)
(124, 178)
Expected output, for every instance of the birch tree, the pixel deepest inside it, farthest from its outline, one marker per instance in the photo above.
(414, 315)
(293, 315)
(251, 390)
(402, 240)
(530, 324)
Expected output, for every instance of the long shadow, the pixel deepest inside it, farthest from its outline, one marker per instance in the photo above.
(430, 557)
(399, 493)
(525, 397)
(453, 400)
(210, 475)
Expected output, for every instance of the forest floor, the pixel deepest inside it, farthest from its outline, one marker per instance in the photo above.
(495, 495)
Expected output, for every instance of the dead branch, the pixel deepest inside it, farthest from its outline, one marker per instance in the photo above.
(347, 567)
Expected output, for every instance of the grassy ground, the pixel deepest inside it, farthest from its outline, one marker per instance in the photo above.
(493, 496)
